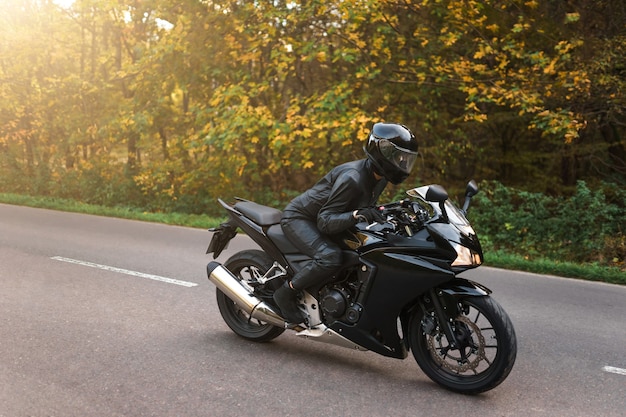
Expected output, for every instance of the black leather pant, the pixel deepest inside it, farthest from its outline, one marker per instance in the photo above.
(325, 254)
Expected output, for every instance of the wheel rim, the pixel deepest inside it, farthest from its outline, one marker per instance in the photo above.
(244, 320)
(477, 345)
(247, 275)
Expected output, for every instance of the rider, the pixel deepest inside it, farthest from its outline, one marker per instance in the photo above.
(345, 196)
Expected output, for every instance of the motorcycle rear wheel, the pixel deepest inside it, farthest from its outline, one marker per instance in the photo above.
(246, 265)
(486, 350)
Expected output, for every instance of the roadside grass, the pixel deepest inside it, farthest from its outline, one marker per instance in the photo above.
(499, 259)
(590, 272)
(176, 219)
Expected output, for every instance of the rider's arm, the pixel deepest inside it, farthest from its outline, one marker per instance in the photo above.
(337, 214)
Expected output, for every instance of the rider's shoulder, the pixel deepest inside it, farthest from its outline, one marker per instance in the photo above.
(358, 167)
(353, 170)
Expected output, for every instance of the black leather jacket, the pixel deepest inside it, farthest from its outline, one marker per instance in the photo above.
(334, 198)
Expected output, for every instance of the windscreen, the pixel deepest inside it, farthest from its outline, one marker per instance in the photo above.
(455, 216)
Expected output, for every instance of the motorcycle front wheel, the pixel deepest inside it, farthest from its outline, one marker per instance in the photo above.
(247, 266)
(485, 348)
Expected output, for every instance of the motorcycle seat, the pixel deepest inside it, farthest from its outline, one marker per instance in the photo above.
(276, 235)
(261, 215)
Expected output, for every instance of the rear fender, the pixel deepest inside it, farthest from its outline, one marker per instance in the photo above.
(222, 235)
(225, 232)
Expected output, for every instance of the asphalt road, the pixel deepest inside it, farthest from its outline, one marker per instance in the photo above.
(109, 317)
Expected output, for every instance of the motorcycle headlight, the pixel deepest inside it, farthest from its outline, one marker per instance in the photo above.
(465, 256)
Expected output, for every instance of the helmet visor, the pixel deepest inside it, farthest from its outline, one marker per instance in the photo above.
(399, 157)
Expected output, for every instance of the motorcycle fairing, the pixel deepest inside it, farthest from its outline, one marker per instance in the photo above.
(376, 329)
(444, 233)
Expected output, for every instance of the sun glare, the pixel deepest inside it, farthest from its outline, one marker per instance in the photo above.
(63, 3)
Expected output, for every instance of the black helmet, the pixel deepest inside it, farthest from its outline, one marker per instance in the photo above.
(392, 148)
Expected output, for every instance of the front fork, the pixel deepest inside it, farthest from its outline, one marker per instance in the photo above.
(444, 301)
(446, 310)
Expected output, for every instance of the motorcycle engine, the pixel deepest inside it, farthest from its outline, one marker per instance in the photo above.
(336, 303)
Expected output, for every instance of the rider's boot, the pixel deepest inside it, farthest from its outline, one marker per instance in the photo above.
(287, 301)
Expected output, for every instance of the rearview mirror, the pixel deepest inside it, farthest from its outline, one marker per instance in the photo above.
(472, 189)
(436, 194)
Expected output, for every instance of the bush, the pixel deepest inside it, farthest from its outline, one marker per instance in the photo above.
(584, 227)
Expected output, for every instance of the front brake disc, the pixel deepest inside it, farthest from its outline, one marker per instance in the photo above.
(474, 353)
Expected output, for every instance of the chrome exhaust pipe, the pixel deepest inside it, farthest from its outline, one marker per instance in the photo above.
(232, 288)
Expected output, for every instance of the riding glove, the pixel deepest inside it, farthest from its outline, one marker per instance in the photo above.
(369, 214)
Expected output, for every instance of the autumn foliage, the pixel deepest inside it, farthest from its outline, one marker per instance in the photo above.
(167, 105)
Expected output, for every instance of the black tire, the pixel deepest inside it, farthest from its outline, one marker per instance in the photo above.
(244, 265)
(488, 350)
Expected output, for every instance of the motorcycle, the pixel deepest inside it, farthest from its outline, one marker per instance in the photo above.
(398, 290)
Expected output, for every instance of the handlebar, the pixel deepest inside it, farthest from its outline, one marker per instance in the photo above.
(405, 217)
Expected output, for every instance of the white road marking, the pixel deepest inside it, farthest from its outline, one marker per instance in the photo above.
(125, 271)
(614, 370)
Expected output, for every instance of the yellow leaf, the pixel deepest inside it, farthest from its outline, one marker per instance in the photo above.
(550, 68)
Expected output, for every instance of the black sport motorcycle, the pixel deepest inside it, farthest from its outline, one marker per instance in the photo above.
(398, 289)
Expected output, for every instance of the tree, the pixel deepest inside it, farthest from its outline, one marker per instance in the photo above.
(168, 105)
